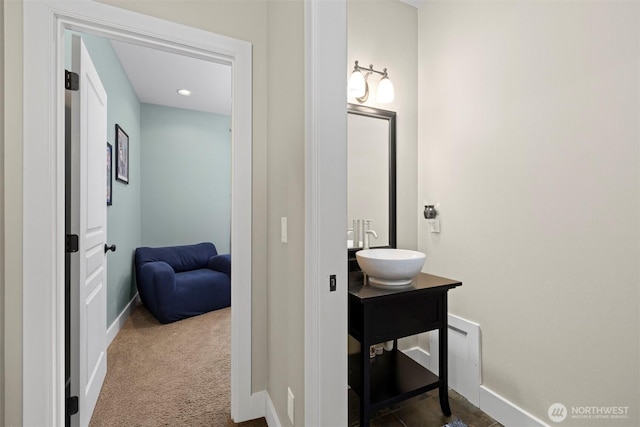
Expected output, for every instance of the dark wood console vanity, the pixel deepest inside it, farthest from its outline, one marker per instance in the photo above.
(379, 315)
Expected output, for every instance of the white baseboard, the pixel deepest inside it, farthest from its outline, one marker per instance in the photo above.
(117, 324)
(270, 412)
(261, 405)
(491, 403)
(419, 355)
(505, 412)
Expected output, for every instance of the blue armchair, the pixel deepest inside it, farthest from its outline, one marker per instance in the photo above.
(177, 282)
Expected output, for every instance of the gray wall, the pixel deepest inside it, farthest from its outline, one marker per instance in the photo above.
(186, 177)
(528, 138)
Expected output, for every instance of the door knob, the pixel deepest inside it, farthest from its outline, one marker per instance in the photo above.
(108, 248)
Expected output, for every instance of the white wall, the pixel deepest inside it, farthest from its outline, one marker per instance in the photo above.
(12, 183)
(528, 138)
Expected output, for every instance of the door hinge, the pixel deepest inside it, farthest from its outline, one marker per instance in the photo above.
(72, 405)
(72, 243)
(71, 80)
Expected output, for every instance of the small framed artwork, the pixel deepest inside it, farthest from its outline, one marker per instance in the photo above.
(122, 155)
(109, 173)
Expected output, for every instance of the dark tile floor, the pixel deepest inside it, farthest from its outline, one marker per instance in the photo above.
(423, 411)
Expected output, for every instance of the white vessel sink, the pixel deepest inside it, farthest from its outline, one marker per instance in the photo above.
(390, 268)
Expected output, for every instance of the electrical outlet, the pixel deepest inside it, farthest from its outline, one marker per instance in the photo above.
(290, 404)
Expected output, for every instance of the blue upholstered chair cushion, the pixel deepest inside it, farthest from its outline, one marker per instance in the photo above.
(183, 281)
(180, 258)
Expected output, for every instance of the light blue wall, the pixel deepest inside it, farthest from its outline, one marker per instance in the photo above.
(186, 177)
(124, 216)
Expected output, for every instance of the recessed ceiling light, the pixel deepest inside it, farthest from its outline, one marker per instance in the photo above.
(184, 92)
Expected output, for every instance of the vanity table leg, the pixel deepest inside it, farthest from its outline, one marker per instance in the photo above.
(365, 399)
(442, 356)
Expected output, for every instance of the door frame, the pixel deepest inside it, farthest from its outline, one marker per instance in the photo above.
(44, 189)
(326, 71)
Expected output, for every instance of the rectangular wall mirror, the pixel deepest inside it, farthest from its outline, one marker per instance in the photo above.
(371, 141)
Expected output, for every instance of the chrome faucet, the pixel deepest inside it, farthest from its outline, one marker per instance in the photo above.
(367, 231)
(357, 233)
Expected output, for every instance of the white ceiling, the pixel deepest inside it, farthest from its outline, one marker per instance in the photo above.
(156, 76)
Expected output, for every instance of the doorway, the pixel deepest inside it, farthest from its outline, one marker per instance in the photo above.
(178, 189)
(44, 319)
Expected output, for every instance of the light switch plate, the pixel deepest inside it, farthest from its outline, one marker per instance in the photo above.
(283, 229)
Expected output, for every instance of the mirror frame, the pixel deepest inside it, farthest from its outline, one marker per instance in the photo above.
(390, 116)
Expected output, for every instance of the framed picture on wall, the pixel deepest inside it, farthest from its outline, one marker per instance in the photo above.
(122, 155)
(109, 172)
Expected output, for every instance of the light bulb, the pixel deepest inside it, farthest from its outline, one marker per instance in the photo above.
(385, 92)
(355, 88)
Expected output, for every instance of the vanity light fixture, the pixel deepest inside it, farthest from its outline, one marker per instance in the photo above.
(184, 92)
(358, 86)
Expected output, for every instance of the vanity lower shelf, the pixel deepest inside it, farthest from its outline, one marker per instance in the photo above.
(394, 377)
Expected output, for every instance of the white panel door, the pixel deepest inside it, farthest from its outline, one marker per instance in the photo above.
(89, 222)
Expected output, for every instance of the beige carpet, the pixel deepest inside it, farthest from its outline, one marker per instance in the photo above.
(169, 375)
